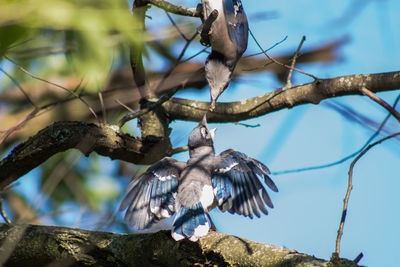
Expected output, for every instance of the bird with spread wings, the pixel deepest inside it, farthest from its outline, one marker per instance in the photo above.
(232, 181)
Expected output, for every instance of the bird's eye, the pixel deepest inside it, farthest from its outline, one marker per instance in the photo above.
(204, 132)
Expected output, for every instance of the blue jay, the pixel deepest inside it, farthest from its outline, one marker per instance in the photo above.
(190, 189)
(228, 39)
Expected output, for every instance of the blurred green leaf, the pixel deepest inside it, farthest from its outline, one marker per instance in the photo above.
(93, 27)
(9, 35)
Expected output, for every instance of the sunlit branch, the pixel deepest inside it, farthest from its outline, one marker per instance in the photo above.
(310, 93)
(180, 149)
(3, 213)
(167, 6)
(105, 140)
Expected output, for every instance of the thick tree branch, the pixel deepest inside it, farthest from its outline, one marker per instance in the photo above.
(311, 93)
(28, 245)
(105, 140)
(108, 141)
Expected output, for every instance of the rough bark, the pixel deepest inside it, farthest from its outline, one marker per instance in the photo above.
(310, 93)
(106, 140)
(29, 245)
(109, 141)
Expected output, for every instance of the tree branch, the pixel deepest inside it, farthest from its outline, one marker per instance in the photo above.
(109, 141)
(105, 140)
(336, 254)
(179, 10)
(381, 102)
(60, 246)
(311, 93)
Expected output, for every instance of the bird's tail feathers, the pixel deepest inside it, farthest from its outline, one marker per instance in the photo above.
(191, 223)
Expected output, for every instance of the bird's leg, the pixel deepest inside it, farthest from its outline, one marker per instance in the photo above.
(206, 28)
(212, 226)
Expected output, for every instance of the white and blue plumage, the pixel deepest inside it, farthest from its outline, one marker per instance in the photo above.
(228, 39)
(232, 181)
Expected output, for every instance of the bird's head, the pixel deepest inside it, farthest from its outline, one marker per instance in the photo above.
(201, 135)
(218, 74)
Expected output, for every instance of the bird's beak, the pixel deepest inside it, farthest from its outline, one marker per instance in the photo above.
(204, 121)
(212, 132)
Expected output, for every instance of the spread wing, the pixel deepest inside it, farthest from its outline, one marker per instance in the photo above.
(151, 196)
(236, 21)
(237, 185)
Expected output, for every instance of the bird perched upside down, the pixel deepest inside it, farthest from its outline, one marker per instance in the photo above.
(228, 38)
(191, 189)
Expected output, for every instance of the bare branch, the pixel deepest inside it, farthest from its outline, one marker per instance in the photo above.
(19, 125)
(105, 140)
(180, 149)
(276, 61)
(176, 26)
(178, 10)
(165, 97)
(381, 102)
(19, 87)
(108, 141)
(344, 159)
(56, 85)
(3, 213)
(336, 254)
(311, 93)
(289, 78)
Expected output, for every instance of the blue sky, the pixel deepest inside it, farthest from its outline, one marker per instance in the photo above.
(308, 207)
(309, 204)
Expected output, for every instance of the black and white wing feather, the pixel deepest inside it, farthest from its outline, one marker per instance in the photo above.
(237, 186)
(151, 196)
(237, 24)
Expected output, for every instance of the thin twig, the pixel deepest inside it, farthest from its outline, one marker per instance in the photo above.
(276, 61)
(125, 106)
(345, 158)
(31, 115)
(247, 125)
(3, 213)
(163, 98)
(180, 149)
(349, 188)
(358, 258)
(178, 10)
(177, 62)
(196, 54)
(272, 47)
(19, 87)
(57, 85)
(103, 109)
(175, 25)
(289, 78)
(381, 102)
(151, 106)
